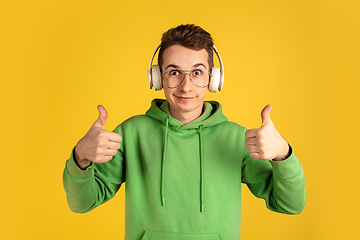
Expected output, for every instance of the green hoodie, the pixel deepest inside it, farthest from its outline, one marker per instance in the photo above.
(184, 181)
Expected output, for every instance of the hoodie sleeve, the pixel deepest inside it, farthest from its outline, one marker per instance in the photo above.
(280, 184)
(87, 189)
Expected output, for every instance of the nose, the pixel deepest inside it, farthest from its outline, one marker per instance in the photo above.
(186, 85)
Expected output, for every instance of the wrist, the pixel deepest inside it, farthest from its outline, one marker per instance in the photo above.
(285, 153)
(81, 162)
(84, 164)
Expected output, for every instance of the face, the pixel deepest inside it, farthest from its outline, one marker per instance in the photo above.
(185, 100)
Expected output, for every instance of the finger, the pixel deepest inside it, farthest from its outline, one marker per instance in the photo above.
(251, 133)
(112, 145)
(265, 115)
(255, 155)
(105, 156)
(103, 159)
(113, 137)
(251, 141)
(252, 149)
(100, 121)
(106, 144)
(110, 152)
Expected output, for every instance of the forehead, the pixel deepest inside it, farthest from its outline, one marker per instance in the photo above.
(185, 58)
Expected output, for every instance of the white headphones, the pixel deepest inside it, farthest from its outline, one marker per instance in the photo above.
(216, 80)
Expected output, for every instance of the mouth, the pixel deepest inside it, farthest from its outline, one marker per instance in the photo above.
(185, 99)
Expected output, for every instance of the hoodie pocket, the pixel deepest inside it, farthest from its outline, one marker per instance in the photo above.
(151, 235)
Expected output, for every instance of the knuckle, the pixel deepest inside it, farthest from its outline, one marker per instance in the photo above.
(262, 142)
(261, 133)
(101, 144)
(98, 152)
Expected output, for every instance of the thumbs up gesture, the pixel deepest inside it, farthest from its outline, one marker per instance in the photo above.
(98, 145)
(266, 143)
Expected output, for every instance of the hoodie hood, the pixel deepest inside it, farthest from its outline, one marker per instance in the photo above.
(212, 115)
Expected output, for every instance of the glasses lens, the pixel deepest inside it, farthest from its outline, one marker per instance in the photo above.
(174, 78)
(200, 78)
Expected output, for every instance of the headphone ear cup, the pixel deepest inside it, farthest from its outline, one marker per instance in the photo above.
(215, 79)
(149, 79)
(156, 77)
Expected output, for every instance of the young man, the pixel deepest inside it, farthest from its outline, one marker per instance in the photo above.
(183, 162)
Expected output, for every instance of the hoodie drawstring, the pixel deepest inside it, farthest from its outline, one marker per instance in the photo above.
(163, 164)
(162, 188)
(201, 169)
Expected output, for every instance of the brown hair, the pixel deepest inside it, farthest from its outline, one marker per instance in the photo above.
(188, 36)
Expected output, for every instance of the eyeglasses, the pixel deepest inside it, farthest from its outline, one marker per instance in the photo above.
(174, 78)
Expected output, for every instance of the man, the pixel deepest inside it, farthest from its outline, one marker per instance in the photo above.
(183, 162)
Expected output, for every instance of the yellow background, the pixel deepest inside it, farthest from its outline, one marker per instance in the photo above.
(60, 59)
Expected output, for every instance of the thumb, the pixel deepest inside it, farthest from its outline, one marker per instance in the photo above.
(265, 115)
(100, 121)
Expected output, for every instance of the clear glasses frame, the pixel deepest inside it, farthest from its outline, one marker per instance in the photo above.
(184, 73)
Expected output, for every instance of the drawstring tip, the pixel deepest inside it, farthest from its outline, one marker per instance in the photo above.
(163, 201)
(202, 207)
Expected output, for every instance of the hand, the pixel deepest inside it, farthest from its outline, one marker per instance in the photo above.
(266, 143)
(98, 145)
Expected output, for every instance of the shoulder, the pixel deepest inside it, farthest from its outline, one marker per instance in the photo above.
(228, 131)
(233, 126)
(136, 119)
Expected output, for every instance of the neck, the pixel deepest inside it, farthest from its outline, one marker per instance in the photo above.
(186, 117)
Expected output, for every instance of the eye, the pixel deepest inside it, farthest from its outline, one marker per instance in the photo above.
(197, 73)
(174, 73)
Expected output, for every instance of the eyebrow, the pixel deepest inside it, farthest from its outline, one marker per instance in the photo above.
(194, 66)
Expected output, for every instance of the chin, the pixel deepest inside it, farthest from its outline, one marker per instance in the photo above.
(187, 107)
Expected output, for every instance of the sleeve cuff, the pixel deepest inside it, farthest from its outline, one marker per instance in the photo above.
(288, 167)
(77, 172)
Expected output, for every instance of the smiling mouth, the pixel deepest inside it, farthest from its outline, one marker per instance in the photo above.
(185, 98)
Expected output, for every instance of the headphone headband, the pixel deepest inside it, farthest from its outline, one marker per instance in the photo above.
(152, 57)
